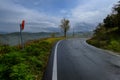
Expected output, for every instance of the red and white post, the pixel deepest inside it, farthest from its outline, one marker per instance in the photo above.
(21, 29)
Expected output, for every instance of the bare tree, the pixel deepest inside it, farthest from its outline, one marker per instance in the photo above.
(65, 26)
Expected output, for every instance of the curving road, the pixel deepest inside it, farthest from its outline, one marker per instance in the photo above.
(74, 59)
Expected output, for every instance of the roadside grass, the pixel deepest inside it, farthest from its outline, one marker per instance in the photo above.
(27, 64)
(111, 43)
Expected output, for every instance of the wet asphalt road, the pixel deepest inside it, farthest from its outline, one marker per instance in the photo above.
(76, 60)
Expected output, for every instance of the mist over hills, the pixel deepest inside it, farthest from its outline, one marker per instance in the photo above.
(78, 27)
(13, 38)
(84, 27)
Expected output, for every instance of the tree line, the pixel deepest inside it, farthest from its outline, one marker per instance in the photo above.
(111, 24)
(106, 35)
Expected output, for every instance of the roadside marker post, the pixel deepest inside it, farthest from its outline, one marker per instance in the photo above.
(21, 28)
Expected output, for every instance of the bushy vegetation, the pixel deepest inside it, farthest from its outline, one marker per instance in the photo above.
(27, 64)
(107, 33)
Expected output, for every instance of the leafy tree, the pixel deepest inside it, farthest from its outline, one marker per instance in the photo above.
(109, 22)
(65, 26)
(100, 29)
(116, 10)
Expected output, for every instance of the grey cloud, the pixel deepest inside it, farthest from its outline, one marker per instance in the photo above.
(93, 10)
(12, 15)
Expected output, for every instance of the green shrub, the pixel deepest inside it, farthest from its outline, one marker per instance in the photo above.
(28, 64)
(4, 72)
(21, 72)
(32, 50)
(7, 61)
(5, 49)
(38, 48)
(102, 44)
(94, 42)
(114, 45)
(35, 61)
(12, 58)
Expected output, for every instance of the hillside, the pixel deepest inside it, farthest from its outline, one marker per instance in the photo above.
(107, 34)
(14, 38)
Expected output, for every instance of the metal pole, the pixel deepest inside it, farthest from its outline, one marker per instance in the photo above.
(22, 44)
(73, 32)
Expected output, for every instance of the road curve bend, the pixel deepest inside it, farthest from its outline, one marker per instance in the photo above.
(76, 60)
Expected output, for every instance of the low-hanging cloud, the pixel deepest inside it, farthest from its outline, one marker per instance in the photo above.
(12, 14)
(91, 12)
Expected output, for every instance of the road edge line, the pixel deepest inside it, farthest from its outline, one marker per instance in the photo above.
(54, 72)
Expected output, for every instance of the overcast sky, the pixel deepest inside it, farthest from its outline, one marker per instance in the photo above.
(43, 15)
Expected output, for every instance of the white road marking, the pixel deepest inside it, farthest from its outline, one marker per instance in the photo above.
(54, 73)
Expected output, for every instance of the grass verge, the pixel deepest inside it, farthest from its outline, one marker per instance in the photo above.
(28, 64)
(112, 44)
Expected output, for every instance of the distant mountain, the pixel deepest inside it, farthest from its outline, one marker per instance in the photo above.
(83, 27)
(14, 38)
(3, 32)
(81, 34)
(16, 33)
(52, 29)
